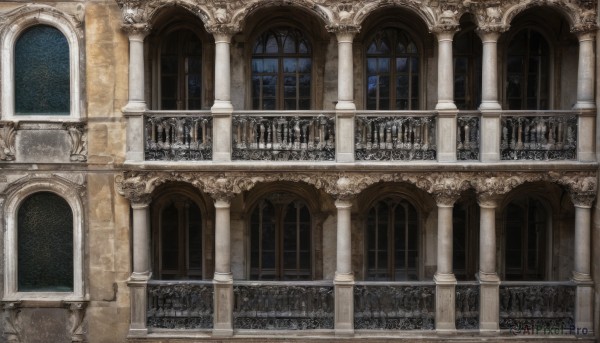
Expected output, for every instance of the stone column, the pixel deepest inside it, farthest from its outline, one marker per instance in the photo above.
(489, 294)
(586, 97)
(344, 278)
(223, 279)
(446, 131)
(222, 109)
(584, 302)
(136, 106)
(444, 278)
(345, 107)
(141, 266)
(490, 107)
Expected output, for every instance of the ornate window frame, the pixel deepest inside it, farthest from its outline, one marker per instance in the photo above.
(14, 28)
(69, 192)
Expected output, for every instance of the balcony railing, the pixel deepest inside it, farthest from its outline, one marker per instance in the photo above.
(468, 136)
(546, 305)
(538, 136)
(394, 306)
(387, 136)
(180, 304)
(283, 136)
(467, 305)
(178, 136)
(283, 305)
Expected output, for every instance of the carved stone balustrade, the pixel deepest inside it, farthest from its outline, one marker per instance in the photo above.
(385, 136)
(467, 305)
(283, 136)
(180, 305)
(283, 305)
(538, 136)
(468, 136)
(394, 306)
(178, 136)
(537, 304)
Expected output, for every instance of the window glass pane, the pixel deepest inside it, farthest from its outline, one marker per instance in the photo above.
(170, 238)
(194, 240)
(42, 72)
(45, 244)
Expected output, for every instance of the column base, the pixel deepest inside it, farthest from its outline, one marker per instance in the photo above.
(489, 302)
(584, 303)
(223, 305)
(344, 304)
(445, 303)
(135, 106)
(137, 332)
(138, 298)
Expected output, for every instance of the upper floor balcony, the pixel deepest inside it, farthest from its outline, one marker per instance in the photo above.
(398, 137)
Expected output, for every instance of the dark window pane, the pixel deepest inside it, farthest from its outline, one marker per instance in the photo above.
(170, 238)
(42, 72)
(45, 244)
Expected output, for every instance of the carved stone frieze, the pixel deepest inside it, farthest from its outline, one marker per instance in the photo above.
(7, 141)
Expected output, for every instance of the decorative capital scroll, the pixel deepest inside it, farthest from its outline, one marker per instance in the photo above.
(78, 136)
(8, 134)
(11, 329)
(77, 315)
(446, 188)
(133, 188)
(222, 188)
(139, 31)
(581, 185)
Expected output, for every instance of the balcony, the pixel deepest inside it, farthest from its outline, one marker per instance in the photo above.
(378, 136)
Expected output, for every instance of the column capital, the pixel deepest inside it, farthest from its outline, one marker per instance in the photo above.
(583, 199)
(222, 32)
(344, 32)
(488, 200)
(490, 34)
(585, 31)
(221, 190)
(137, 32)
(345, 189)
(445, 31)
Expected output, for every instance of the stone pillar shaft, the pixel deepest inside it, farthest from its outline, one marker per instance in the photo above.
(586, 72)
(344, 278)
(223, 280)
(445, 71)
(489, 282)
(487, 239)
(444, 244)
(141, 240)
(222, 109)
(445, 290)
(136, 102)
(489, 75)
(345, 107)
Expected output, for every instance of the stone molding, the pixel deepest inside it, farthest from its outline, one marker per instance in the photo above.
(445, 187)
(491, 15)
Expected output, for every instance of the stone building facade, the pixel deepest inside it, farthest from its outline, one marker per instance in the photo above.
(275, 170)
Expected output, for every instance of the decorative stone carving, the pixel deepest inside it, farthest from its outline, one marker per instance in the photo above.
(78, 136)
(77, 315)
(447, 187)
(394, 307)
(180, 305)
(11, 329)
(283, 307)
(7, 141)
(582, 187)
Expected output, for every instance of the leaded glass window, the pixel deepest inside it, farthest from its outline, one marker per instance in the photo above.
(526, 225)
(392, 236)
(42, 74)
(392, 71)
(181, 71)
(528, 69)
(179, 247)
(281, 70)
(45, 244)
(280, 240)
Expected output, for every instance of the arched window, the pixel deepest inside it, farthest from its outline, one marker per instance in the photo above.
(41, 72)
(281, 70)
(45, 244)
(467, 70)
(392, 71)
(526, 226)
(280, 239)
(178, 231)
(528, 68)
(392, 240)
(181, 71)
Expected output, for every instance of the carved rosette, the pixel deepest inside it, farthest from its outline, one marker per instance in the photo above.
(8, 134)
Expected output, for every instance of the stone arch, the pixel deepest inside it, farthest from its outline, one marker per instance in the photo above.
(159, 7)
(16, 193)
(239, 18)
(25, 18)
(569, 11)
(426, 14)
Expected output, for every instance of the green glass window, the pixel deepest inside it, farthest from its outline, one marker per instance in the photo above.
(45, 244)
(42, 76)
